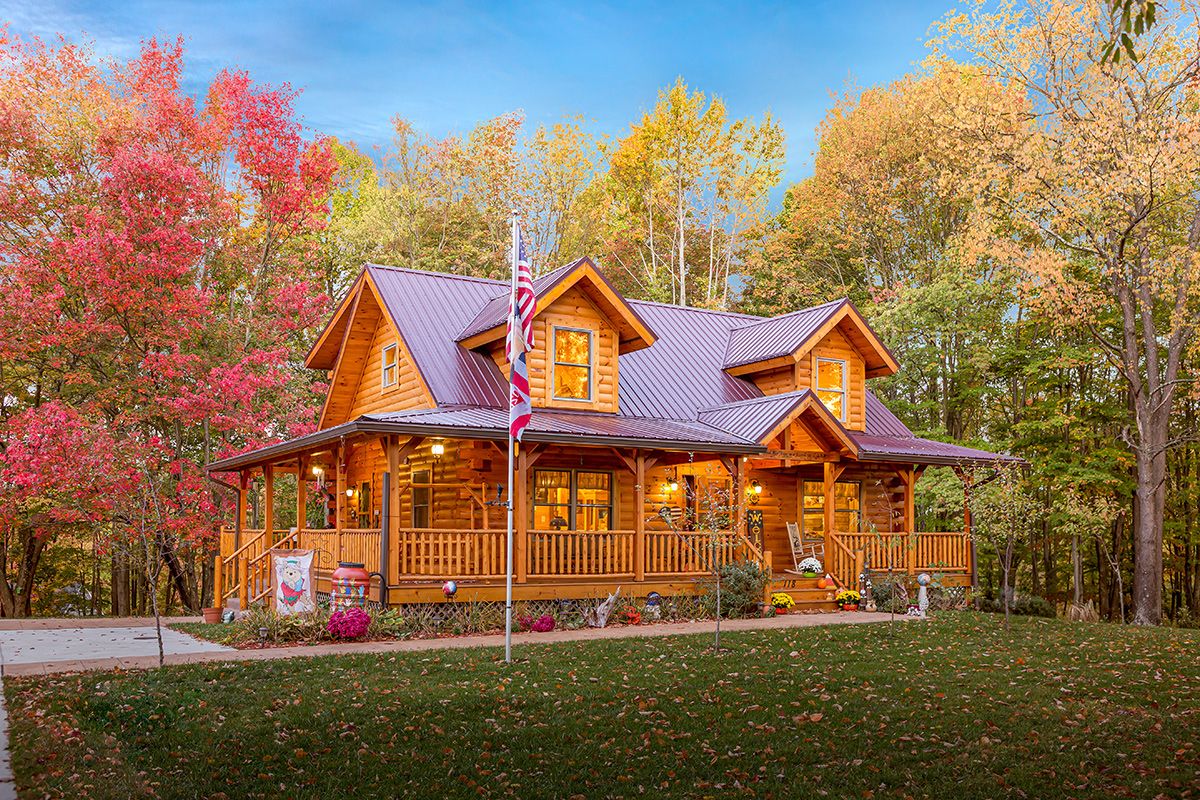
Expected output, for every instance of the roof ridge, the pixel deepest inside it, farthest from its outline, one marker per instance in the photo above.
(696, 308)
(436, 273)
(797, 312)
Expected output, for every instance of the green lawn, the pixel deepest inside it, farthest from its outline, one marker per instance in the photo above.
(953, 708)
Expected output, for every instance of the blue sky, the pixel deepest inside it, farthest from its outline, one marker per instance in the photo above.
(447, 65)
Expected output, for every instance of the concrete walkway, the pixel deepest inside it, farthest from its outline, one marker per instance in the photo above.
(63, 645)
(127, 651)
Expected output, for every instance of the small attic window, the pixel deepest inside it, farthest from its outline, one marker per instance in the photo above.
(831, 385)
(390, 366)
(572, 364)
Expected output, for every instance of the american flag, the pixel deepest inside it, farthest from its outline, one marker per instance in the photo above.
(520, 340)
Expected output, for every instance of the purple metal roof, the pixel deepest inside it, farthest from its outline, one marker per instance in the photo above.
(920, 451)
(881, 421)
(681, 373)
(429, 309)
(495, 311)
(579, 424)
(675, 390)
(753, 419)
(764, 339)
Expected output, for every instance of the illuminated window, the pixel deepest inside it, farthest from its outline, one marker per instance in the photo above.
(847, 505)
(831, 385)
(390, 368)
(420, 498)
(571, 500)
(572, 364)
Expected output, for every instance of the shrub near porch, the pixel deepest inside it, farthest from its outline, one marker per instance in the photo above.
(954, 705)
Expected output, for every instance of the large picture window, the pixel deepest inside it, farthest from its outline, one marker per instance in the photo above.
(577, 500)
(831, 385)
(572, 364)
(847, 507)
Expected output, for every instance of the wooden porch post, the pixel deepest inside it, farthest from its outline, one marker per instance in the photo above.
(909, 476)
(830, 478)
(301, 496)
(218, 588)
(971, 555)
(639, 517)
(242, 510)
(268, 503)
(391, 525)
(739, 496)
(521, 516)
(341, 500)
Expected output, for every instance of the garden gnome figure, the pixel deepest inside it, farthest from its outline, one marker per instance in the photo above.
(923, 594)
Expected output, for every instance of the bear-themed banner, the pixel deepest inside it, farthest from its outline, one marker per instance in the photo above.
(291, 572)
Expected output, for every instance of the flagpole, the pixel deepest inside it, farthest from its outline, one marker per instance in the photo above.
(508, 576)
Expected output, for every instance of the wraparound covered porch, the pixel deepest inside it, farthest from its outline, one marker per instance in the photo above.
(420, 508)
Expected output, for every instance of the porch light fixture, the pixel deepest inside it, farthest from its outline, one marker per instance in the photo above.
(673, 486)
(438, 449)
(349, 491)
(756, 487)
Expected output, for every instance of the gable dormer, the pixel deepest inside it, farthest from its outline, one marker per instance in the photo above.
(828, 348)
(369, 365)
(581, 325)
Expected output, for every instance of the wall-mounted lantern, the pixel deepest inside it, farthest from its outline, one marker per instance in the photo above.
(438, 449)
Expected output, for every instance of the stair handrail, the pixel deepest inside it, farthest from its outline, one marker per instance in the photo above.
(232, 556)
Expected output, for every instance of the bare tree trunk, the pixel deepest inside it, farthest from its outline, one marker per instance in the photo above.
(1076, 571)
(1147, 539)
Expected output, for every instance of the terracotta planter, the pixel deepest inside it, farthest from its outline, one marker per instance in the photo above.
(849, 607)
(212, 615)
(780, 611)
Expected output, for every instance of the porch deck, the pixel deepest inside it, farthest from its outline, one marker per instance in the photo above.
(573, 564)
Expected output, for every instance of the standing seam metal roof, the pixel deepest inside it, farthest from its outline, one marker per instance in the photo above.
(676, 390)
(764, 339)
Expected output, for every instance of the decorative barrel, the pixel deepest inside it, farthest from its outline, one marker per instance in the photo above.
(348, 586)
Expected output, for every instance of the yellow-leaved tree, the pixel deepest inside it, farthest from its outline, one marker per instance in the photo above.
(1087, 172)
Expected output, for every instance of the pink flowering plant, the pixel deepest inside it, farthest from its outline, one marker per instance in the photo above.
(350, 623)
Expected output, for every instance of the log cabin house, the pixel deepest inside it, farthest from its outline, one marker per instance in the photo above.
(664, 439)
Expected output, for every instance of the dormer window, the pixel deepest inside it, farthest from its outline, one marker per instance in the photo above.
(831, 385)
(390, 365)
(573, 361)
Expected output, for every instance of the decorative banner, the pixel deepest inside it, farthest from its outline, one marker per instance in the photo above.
(291, 574)
(754, 524)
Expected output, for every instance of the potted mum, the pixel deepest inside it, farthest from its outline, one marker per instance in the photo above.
(810, 567)
(782, 602)
(848, 599)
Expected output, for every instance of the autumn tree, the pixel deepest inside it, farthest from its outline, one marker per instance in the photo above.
(686, 192)
(154, 282)
(1088, 170)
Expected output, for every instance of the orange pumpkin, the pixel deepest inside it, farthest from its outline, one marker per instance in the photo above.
(821, 583)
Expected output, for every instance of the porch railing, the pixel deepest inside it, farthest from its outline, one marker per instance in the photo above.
(580, 553)
(693, 552)
(449, 553)
(443, 553)
(847, 553)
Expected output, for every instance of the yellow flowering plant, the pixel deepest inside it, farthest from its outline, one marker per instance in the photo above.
(847, 597)
(782, 600)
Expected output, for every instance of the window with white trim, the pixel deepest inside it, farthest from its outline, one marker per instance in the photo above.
(831, 385)
(391, 365)
(573, 361)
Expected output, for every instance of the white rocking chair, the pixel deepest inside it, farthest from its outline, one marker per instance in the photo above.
(802, 549)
